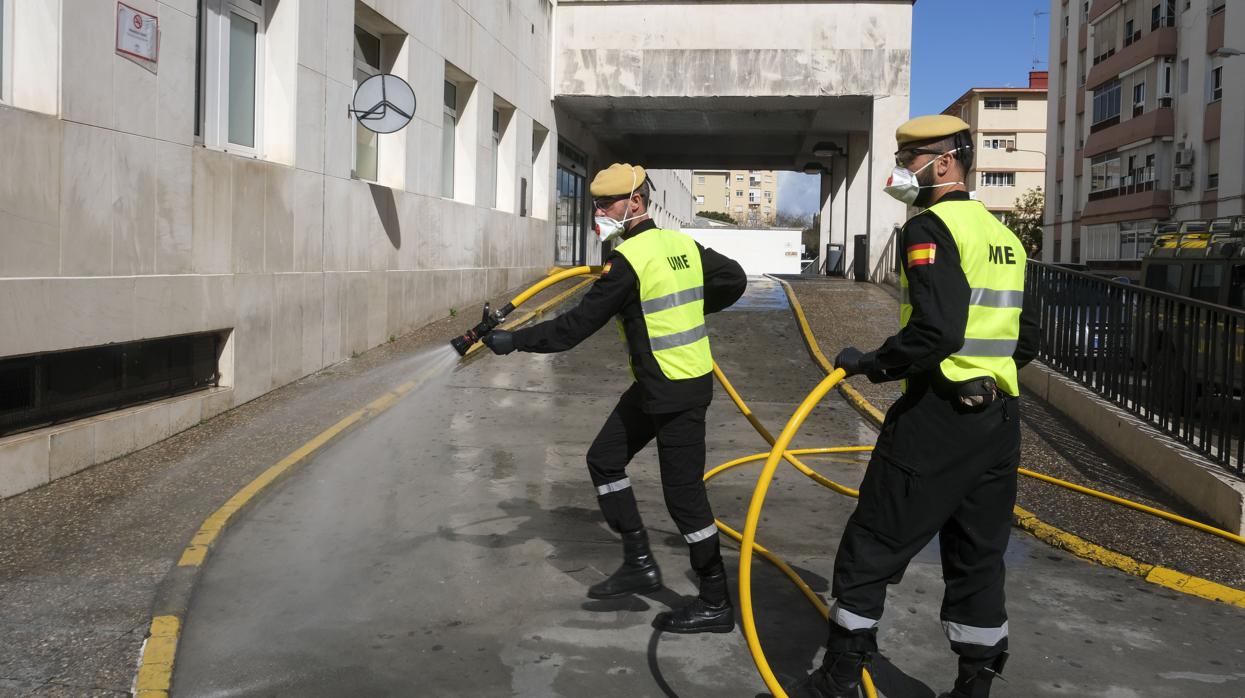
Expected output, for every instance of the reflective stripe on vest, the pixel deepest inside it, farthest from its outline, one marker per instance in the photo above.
(672, 297)
(993, 261)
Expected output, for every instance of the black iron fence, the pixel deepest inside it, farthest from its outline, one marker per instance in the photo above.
(1173, 361)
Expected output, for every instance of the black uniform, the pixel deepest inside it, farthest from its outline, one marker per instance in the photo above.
(939, 467)
(672, 411)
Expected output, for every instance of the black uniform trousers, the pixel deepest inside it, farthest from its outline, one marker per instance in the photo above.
(681, 453)
(938, 468)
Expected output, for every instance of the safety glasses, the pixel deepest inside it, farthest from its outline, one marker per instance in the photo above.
(605, 202)
(904, 157)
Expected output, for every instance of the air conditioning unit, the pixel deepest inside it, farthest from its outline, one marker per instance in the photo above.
(1185, 157)
(1165, 102)
(1184, 180)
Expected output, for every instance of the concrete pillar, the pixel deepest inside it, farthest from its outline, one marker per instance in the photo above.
(856, 203)
(885, 213)
(826, 215)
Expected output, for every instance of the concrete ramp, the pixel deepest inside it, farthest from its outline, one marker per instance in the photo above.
(445, 547)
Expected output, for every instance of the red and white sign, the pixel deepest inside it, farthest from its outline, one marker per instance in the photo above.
(138, 33)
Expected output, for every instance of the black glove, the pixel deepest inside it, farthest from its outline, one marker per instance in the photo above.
(500, 341)
(853, 361)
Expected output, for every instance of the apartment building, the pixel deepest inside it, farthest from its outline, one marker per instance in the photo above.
(1144, 125)
(1009, 125)
(748, 196)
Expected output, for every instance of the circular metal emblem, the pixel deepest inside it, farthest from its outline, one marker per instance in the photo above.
(383, 103)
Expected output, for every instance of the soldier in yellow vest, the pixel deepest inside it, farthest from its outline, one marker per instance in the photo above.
(658, 284)
(945, 460)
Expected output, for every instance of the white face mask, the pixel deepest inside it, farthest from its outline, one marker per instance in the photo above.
(607, 228)
(903, 184)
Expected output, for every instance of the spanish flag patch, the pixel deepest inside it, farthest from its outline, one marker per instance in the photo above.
(606, 269)
(921, 254)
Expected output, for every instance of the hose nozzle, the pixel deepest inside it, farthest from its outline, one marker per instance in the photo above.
(491, 319)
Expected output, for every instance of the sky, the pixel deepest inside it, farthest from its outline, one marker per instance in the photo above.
(956, 45)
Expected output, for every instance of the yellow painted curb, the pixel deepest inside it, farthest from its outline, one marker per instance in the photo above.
(1055, 537)
(155, 673)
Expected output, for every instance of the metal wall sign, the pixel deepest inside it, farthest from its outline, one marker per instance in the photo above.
(138, 33)
(383, 103)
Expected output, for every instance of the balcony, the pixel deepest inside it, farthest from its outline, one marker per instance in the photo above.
(1215, 32)
(1063, 108)
(1210, 122)
(1102, 7)
(1080, 100)
(1160, 42)
(1151, 203)
(1152, 124)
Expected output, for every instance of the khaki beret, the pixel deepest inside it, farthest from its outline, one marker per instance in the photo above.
(619, 179)
(926, 129)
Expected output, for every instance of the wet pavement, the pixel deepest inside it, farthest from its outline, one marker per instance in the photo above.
(444, 548)
(1051, 444)
(80, 558)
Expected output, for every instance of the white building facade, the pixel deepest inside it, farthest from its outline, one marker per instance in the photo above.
(182, 235)
(1144, 127)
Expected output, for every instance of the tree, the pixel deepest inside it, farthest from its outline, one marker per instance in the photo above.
(1026, 219)
(792, 220)
(718, 216)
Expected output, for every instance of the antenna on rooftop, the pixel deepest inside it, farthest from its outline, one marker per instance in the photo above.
(1037, 58)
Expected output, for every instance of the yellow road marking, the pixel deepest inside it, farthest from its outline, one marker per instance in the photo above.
(155, 673)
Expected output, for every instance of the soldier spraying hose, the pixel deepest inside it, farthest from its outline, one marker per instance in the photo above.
(659, 284)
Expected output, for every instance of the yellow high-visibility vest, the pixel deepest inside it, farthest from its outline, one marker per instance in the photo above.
(672, 297)
(993, 261)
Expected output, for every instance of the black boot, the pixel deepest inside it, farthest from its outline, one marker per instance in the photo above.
(837, 677)
(710, 612)
(975, 678)
(637, 575)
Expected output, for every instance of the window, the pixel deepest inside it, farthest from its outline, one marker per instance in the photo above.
(1104, 174)
(366, 64)
(1080, 64)
(490, 196)
(1207, 280)
(1166, 83)
(1106, 104)
(739, 192)
(700, 198)
(449, 121)
(1216, 84)
(1164, 277)
(1163, 14)
(1217, 6)
(1000, 103)
(754, 196)
(739, 178)
(51, 388)
(1236, 292)
(998, 179)
(1139, 98)
(998, 143)
(233, 74)
(1212, 164)
(1084, 11)
(700, 179)
(1128, 33)
(1184, 76)
(6, 51)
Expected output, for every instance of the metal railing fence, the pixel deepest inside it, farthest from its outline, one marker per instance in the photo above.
(1175, 362)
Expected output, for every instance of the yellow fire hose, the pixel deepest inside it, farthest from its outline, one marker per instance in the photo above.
(779, 452)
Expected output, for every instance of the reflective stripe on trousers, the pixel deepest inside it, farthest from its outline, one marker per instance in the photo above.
(703, 534)
(972, 635)
(616, 486)
(851, 621)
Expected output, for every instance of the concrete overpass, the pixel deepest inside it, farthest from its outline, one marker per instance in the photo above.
(812, 86)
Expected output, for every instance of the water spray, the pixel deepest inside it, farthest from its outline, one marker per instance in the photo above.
(492, 318)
